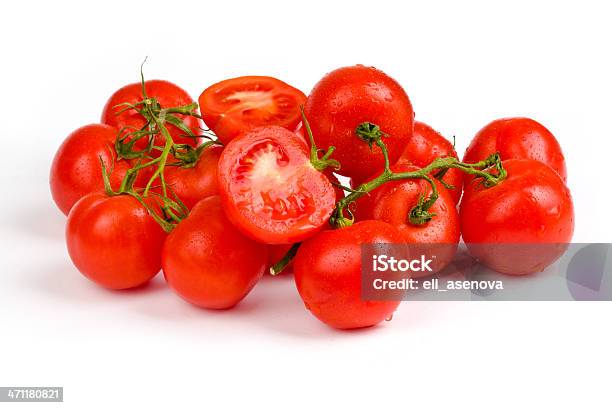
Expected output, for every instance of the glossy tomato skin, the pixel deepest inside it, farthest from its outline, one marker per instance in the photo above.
(517, 138)
(424, 146)
(208, 262)
(76, 170)
(195, 183)
(167, 94)
(327, 272)
(392, 203)
(531, 206)
(114, 241)
(270, 190)
(349, 96)
(234, 106)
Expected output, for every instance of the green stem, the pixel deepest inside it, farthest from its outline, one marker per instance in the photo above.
(383, 148)
(157, 119)
(324, 161)
(163, 158)
(280, 265)
(184, 110)
(419, 214)
(166, 226)
(130, 175)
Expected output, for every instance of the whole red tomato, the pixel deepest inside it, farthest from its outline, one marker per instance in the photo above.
(191, 184)
(269, 188)
(208, 262)
(517, 138)
(76, 169)
(349, 96)
(424, 147)
(167, 94)
(328, 275)
(114, 241)
(237, 105)
(392, 203)
(522, 224)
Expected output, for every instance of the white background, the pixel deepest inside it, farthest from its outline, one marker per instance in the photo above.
(463, 64)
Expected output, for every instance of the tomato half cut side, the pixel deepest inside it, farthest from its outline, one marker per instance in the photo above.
(234, 106)
(270, 190)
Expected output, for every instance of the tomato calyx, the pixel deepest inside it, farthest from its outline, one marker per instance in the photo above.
(420, 214)
(369, 133)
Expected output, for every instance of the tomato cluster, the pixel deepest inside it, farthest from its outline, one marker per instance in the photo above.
(217, 193)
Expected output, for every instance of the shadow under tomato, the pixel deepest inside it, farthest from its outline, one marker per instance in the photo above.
(65, 282)
(41, 221)
(274, 305)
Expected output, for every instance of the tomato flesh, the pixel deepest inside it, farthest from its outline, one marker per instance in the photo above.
(271, 191)
(234, 106)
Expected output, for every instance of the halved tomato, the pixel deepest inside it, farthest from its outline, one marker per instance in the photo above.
(234, 106)
(270, 190)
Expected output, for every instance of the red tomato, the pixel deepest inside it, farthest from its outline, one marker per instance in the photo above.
(328, 275)
(234, 106)
(277, 252)
(531, 206)
(195, 183)
(76, 170)
(349, 96)
(114, 241)
(167, 94)
(517, 138)
(208, 262)
(425, 146)
(269, 188)
(392, 203)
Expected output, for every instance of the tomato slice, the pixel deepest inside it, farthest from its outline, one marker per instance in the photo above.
(270, 190)
(232, 107)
